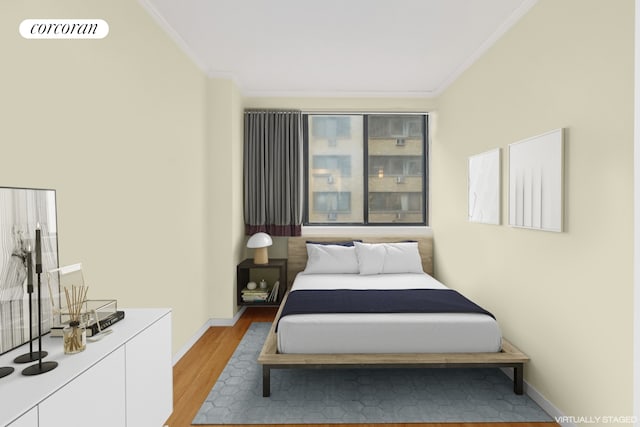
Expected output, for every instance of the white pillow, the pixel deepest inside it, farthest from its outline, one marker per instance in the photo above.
(381, 258)
(370, 257)
(331, 259)
(402, 258)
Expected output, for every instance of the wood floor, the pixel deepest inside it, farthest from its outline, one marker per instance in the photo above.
(196, 373)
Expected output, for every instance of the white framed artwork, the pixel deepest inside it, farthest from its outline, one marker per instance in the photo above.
(484, 187)
(536, 182)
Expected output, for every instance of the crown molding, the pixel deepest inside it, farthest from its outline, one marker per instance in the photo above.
(173, 34)
(227, 75)
(249, 93)
(337, 94)
(515, 16)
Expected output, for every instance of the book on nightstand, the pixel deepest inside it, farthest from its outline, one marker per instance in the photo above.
(273, 296)
(255, 295)
(261, 295)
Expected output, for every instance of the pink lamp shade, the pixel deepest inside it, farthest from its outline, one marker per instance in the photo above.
(260, 242)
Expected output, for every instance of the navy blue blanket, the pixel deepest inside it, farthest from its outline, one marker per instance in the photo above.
(379, 301)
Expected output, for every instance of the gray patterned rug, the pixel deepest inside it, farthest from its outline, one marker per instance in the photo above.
(359, 395)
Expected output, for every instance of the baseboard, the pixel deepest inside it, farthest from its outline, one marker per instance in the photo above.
(185, 348)
(211, 322)
(542, 401)
(227, 321)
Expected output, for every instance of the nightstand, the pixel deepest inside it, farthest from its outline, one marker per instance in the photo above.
(248, 271)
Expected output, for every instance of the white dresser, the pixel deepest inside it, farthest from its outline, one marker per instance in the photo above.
(125, 379)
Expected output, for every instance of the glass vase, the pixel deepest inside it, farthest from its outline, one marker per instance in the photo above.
(74, 337)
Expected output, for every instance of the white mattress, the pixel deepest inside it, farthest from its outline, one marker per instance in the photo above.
(384, 332)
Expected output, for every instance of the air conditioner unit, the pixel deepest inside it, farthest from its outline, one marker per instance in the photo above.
(332, 216)
(400, 179)
(330, 179)
(400, 142)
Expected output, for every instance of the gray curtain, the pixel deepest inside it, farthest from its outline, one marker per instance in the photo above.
(273, 172)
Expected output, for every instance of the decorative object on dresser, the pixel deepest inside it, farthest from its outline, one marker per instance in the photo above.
(40, 367)
(98, 329)
(6, 370)
(74, 335)
(96, 315)
(20, 210)
(260, 242)
(248, 290)
(31, 356)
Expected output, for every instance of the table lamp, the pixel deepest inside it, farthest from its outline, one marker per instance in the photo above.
(260, 242)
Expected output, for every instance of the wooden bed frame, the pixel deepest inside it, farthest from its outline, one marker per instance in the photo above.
(270, 358)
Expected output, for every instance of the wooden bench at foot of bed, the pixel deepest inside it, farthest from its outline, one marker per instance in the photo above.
(509, 357)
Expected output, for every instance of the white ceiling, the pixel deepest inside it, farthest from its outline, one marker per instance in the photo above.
(337, 47)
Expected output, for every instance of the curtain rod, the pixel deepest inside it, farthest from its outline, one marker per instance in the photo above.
(269, 110)
(279, 110)
(364, 112)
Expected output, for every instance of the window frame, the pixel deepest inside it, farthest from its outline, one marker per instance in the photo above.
(365, 165)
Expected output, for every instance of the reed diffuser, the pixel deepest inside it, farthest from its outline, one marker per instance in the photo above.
(75, 333)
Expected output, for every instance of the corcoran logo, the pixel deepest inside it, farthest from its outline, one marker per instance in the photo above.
(64, 29)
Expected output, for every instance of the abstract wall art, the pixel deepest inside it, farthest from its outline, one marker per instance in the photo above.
(484, 187)
(536, 182)
(21, 211)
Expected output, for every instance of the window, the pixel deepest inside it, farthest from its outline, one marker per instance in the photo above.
(365, 169)
(331, 128)
(331, 201)
(332, 164)
(395, 165)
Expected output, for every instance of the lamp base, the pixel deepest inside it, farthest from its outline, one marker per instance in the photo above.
(30, 357)
(39, 368)
(5, 370)
(260, 256)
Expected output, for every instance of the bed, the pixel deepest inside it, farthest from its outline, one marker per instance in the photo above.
(312, 340)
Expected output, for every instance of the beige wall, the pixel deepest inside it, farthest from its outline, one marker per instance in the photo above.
(224, 223)
(563, 298)
(117, 127)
